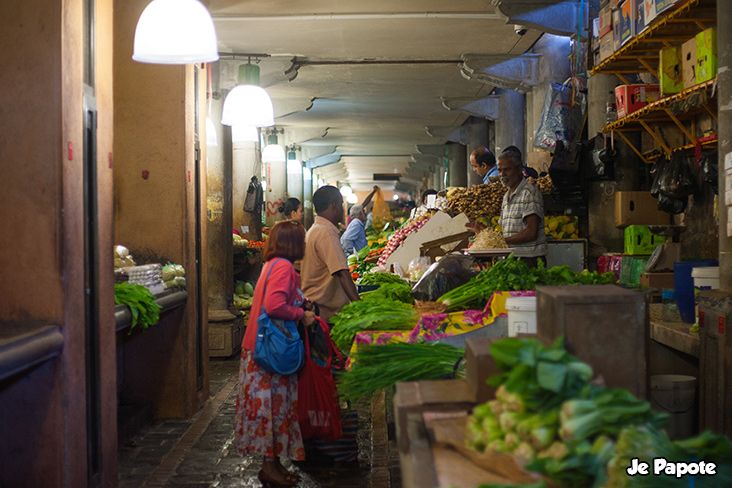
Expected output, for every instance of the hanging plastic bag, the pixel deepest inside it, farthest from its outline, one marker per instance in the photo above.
(677, 180)
(710, 168)
(381, 211)
(674, 206)
(561, 117)
(255, 197)
(656, 173)
(449, 272)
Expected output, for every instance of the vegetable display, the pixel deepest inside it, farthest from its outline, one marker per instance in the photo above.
(379, 279)
(392, 291)
(398, 237)
(142, 304)
(485, 200)
(380, 367)
(385, 314)
(513, 274)
(489, 239)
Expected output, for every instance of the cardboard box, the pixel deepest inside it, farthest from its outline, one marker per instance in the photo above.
(688, 63)
(617, 30)
(640, 16)
(649, 11)
(638, 208)
(706, 55)
(607, 46)
(629, 98)
(657, 280)
(664, 5)
(670, 71)
(627, 21)
(605, 19)
(479, 366)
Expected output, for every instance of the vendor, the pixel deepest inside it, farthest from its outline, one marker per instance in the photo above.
(354, 238)
(522, 211)
(483, 163)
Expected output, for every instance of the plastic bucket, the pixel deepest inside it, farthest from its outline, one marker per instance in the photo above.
(521, 315)
(684, 285)
(676, 395)
(706, 278)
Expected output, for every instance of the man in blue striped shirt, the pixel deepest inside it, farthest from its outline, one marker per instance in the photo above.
(522, 212)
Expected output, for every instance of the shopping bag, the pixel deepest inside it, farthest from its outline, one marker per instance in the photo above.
(381, 212)
(561, 117)
(319, 412)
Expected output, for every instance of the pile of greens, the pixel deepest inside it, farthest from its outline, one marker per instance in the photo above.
(379, 279)
(377, 368)
(392, 291)
(141, 302)
(513, 274)
(384, 314)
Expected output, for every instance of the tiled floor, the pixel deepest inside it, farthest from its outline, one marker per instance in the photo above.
(198, 452)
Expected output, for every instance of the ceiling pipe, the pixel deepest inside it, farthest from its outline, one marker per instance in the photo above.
(361, 16)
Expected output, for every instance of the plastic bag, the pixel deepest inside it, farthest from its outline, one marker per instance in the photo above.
(446, 274)
(255, 197)
(561, 119)
(656, 172)
(677, 180)
(381, 211)
(673, 206)
(418, 267)
(710, 168)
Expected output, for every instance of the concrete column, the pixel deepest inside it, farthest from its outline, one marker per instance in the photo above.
(295, 180)
(510, 128)
(457, 156)
(479, 137)
(246, 163)
(276, 192)
(307, 201)
(219, 212)
(724, 77)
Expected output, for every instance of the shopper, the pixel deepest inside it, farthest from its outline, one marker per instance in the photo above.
(292, 210)
(354, 238)
(364, 204)
(484, 163)
(325, 277)
(266, 406)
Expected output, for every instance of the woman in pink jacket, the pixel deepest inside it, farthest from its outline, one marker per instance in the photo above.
(266, 407)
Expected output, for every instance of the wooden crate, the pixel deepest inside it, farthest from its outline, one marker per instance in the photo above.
(605, 326)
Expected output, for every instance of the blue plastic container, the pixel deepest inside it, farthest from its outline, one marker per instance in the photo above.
(684, 285)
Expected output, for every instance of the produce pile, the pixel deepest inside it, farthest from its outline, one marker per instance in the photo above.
(174, 276)
(377, 368)
(561, 226)
(485, 200)
(141, 302)
(400, 292)
(577, 434)
(365, 259)
(122, 257)
(243, 295)
(489, 239)
(385, 314)
(379, 279)
(513, 274)
(398, 237)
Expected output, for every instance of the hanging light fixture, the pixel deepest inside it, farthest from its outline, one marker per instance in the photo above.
(273, 153)
(346, 190)
(248, 103)
(244, 133)
(294, 166)
(352, 198)
(175, 32)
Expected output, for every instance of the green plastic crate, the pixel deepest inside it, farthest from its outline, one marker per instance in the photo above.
(631, 267)
(640, 242)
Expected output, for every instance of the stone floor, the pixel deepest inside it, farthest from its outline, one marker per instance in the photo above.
(198, 452)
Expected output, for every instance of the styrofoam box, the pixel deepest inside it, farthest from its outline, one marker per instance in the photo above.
(521, 315)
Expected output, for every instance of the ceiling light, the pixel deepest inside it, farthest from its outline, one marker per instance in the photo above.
(244, 133)
(273, 153)
(396, 197)
(352, 198)
(248, 103)
(175, 32)
(211, 139)
(346, 190)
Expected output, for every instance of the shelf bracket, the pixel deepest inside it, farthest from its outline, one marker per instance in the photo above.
(631, 146)
(655, 137)
(711, 112)
(680, 125)
(622, 78)
(648, 67)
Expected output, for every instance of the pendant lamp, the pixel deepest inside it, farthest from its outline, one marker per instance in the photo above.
(175, 32)
(244, 133)
(248, 103)
(273, 153)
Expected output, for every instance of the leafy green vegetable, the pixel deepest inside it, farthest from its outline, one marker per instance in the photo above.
(378, 367)
(393, 291)
(384, 314)
(142, 304)
(379, 279)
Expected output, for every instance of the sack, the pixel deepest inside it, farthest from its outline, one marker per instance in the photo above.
(677, 181)
(255, 196)
(319, 413)
(278, 348)
(444, 275)
(561, 117)
(381, 212)
(673, 206)
(657, 172)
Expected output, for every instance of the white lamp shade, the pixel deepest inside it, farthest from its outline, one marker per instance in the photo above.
(175, 32)
(294, 167)
(248, 105)
(211, 139)
(346, 190)
(274, 153)
(244, 133)
(352, 198)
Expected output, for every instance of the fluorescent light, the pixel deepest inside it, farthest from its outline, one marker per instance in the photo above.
(175, 32)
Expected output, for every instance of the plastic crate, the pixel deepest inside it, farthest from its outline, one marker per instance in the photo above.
(640, 242)
(631, 268)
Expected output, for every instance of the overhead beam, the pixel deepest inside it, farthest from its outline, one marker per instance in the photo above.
(487, 107)
(520, 73)
(552, 16)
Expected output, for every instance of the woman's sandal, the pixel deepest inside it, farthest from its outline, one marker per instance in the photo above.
(283, 481)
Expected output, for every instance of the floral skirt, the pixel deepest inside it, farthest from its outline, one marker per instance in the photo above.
(266, 412)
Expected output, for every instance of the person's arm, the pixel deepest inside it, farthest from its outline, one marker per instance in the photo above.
(529, 234)
(367, 200)
(347, 283)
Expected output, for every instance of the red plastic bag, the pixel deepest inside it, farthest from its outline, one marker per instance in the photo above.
(319, 412)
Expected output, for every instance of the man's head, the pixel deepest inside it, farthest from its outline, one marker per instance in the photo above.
(357, 212)
(482, 160)
(328, 203)
(509, 169)
(513, 149)
(427, 193)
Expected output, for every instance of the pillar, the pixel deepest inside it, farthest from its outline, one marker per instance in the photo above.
(276, 192)
(295, 179)
(245, 164)
(510, 128)
(478, 131)
(457, 159)
(307, 202)
(724, 77)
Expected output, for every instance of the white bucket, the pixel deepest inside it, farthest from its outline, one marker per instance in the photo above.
(521, 315)
(675, 394)
(706, 277)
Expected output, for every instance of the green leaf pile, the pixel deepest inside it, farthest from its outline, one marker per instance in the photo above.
(141, 302)
(385, 314)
